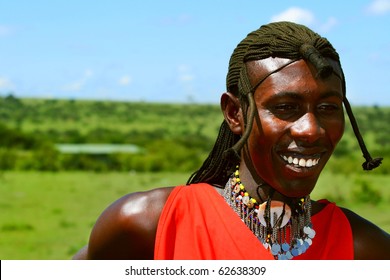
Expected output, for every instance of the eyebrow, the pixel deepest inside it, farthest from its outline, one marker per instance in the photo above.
(300, 96)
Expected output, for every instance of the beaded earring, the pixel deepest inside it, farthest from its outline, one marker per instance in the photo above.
(286, 231)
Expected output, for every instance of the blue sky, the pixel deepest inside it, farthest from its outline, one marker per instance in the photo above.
(173, 51)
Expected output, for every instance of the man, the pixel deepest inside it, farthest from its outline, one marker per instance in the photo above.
(284, 116)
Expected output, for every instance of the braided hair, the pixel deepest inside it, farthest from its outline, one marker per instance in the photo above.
(278, 39)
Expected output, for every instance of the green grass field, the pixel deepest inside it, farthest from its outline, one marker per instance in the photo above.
(48, 216)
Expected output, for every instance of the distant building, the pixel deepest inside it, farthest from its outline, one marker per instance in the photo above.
(98, 149)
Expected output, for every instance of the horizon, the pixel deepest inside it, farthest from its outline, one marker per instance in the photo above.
(156, 102)
(173, 51)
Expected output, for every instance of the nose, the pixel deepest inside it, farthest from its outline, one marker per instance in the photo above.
(307, 128)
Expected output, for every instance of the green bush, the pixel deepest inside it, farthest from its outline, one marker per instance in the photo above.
(366, 193)
(7, 158)
(173, 136)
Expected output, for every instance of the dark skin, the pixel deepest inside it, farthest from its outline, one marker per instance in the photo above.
(300, 116)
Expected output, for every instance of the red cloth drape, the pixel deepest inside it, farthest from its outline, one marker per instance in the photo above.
(197, 224)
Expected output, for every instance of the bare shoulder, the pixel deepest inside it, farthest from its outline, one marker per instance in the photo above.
(127, 228)
(370, 241)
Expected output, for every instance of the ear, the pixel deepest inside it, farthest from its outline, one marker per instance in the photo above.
(232, 112)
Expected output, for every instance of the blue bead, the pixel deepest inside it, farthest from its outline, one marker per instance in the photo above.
(285, 247)
(294, 252)
(275, 247)
(289, 256)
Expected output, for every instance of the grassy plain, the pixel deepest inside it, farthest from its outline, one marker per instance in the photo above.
(48, 216)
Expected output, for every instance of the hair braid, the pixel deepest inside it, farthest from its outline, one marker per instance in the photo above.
(215, 170)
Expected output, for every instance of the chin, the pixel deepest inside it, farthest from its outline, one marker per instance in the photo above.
(299, 188)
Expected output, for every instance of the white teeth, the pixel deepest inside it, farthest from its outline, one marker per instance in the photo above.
(301, 161)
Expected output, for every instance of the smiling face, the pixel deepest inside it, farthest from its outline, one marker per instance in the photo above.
(300, 120)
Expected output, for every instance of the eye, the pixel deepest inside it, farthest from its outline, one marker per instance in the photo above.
(285, 108)
(328, 108)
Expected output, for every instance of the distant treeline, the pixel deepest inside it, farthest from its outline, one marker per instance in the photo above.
(173, 137)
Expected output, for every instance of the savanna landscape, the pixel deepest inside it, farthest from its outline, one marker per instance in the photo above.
(51, 197)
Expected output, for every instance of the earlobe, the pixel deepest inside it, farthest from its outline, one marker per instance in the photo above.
(232, 112)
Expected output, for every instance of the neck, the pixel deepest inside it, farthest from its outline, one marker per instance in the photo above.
(256, 186)
(260, 190)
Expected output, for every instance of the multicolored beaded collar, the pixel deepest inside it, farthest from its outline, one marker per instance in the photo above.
(283, 230)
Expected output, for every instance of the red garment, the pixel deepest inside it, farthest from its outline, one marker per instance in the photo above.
(196, 223)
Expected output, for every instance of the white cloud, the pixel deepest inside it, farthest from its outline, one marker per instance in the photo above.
(125, 80)
(88, 73)
(379, 7)
(185, 74)
(4, 30)
(305, 17)
(75, 86)
(5, 83)
(79, 84)
(295, 14)
(186, 77)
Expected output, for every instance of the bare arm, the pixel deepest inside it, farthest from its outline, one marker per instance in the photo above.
(82, 254)
(127, 228)
(370, 242)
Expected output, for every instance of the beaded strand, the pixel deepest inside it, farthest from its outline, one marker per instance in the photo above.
(274, 237)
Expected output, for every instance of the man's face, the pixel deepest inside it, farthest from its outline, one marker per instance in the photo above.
(300, 120)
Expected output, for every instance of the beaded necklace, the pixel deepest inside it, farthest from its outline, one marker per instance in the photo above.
(286, 232)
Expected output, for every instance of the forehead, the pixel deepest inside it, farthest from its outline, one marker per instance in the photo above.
(259, 69)
(296, 76)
